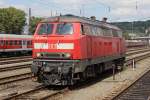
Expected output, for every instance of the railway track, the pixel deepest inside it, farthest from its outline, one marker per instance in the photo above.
(138, 90)
(138, 48)
(15, 78)
(39, 93)
(15, 61)
(136, 58)
(33, 93)
(137, 51)
(14, 73)
(9, 68)
(11, 58)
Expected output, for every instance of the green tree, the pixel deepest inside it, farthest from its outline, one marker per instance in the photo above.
(33, 24)
(12, 20)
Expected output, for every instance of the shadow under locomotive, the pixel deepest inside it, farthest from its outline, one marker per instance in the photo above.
(85, 83)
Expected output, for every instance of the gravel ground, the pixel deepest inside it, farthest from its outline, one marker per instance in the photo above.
(15, 64)
(14, 72)
(18, 87)
(137, 55)
(107, 86)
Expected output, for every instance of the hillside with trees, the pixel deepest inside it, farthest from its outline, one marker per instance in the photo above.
(137, 27)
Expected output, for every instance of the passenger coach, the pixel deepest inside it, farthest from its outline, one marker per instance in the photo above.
(10, 44)
(69, 48)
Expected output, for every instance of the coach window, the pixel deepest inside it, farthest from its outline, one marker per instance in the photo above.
(104, 32)
(15, 42)
(119, 33)
(24, 42)
(45, 29)
(110, 32)
(19, 42)
(93, 30)
(101, 31)
(96, 31)
(10, 42)
(6, 42)
(86, 29)
(1, 42)
(28, 43)
(64, 28)
(115, 33)
(89, 30)
(107, 32)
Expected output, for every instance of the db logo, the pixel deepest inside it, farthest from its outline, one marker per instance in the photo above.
(52, 46)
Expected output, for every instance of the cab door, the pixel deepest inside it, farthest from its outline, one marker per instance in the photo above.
(89, 46)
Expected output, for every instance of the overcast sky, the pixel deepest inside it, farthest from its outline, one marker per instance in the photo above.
(114, 10)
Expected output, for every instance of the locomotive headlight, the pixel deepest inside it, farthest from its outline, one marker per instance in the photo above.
(59, 69)
(68, 55)
(44, 63)
(38, 54)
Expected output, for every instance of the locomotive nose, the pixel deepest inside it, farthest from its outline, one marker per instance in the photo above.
(53, 49)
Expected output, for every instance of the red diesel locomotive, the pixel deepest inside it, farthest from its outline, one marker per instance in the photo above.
(10, 43)
(69, 48)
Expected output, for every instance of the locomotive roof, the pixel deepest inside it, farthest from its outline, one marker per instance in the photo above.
(15, 36)
(72, 18)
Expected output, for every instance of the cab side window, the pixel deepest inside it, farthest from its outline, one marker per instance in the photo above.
(87, 30)
(1, 42)
(82, 30)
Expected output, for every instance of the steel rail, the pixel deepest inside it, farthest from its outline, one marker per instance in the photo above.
(14, 67)
(15, 61)
(9, 79)
(138, 58)
(120, 94)
(10, 58)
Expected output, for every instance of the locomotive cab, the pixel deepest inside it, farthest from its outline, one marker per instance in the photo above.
(56, 51)
(57, 41)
